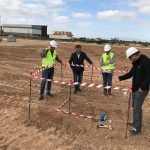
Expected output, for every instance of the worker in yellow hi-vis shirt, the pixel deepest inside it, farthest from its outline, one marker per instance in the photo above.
(107, 65)
(49, 55)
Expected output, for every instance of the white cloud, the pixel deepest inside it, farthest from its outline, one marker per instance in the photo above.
(114, 15)
(56, 2)
(142, 5)
(82, 15)
(139, 3)
(59, 18)
(145, 10)
(56, 10)
(85, 24)
(18, 8)
(23, 21)
(145, 25)
(40, 12)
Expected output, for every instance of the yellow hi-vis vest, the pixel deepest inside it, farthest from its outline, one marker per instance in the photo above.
(106, 60)
(49, 60)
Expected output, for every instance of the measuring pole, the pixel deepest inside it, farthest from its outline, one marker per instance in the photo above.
(30, 96)
(128, 115)
(69, 102)
(91, 80)
(61, 76)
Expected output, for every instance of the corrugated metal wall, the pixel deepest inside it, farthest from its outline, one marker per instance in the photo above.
(39, 31)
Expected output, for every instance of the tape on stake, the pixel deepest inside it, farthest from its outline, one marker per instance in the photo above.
(89, 85)
(67, 64)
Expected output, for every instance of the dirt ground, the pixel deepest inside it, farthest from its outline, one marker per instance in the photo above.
(48, 129)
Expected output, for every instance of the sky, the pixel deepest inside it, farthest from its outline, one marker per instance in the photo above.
(123, 19)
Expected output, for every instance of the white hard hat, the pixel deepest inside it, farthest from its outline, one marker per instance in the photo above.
(130, 51)
(107, 48)
(53, 43)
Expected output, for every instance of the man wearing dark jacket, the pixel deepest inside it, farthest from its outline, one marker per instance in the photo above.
(77, 65)
(140, 73)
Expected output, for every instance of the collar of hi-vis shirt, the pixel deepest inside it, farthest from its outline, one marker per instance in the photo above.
(52, 52)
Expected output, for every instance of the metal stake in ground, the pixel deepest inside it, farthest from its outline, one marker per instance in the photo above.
(61, 76)
(30, 96)
(128, 115)
(91, 80)
(69, 101)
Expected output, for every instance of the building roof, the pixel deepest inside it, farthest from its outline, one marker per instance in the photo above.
(24, 26)
(67, 33)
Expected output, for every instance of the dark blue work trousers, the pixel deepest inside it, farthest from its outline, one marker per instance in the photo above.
(47, 74)
(107, 79)
(77, 78)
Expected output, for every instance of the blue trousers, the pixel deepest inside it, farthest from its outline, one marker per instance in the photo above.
(48, 74)
(107, 80)
(137, 102)
(77, 78)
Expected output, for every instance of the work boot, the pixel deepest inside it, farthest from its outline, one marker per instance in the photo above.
(75, 90)
(41, 97)
(79, 89)
(135, 131)
(109, 91)
(49, 94)
(105, 92)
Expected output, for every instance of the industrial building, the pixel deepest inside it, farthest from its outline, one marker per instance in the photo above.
(61, 35)
(25, 30)
(68, 34)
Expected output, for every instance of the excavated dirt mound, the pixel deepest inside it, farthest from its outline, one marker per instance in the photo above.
(48, 129)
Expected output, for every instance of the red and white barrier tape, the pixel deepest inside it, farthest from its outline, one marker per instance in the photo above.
(88, 85)
(40, 70)
(60, 109)
(95, 68)
(74, 114)
(67, 64)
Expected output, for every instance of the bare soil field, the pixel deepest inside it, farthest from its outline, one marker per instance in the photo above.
(48, 129)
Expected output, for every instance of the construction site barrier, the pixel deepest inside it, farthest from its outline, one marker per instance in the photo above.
(85, 84)
(67, 64)
(70, 84)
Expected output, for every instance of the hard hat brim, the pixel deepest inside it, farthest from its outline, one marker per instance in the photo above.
(107, 50)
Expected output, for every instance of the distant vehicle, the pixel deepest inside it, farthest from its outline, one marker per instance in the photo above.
(11, 38)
